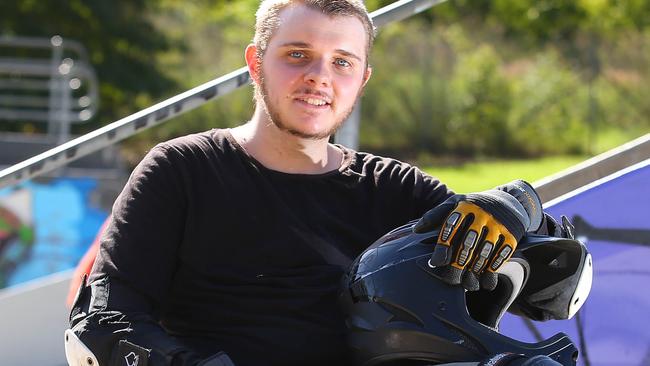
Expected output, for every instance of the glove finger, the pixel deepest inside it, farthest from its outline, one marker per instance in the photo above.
(441, 256)
(470, 281)
(568, 230)
(476, 275)
(449, 274)
(506, 245)
(489, 280)
(482, 256)
(433, 218)
(450, 239)
(467, 236)
(465, 244)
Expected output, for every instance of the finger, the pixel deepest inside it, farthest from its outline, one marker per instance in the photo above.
(450, 227)
(450, 239)
(470, 281)
(489, 280)
(448, 274)
(465, 241)
(433, 218)
(441, 256)
(466, 248)
(505, 248)
(482, 256)
(443, 252)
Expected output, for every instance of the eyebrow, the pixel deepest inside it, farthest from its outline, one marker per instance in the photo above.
(307, 45)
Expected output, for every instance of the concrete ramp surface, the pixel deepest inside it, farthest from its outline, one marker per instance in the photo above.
(33, 318)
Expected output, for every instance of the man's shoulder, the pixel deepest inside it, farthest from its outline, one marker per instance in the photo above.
(190, 141)
(196, 143)
(367, 160)
(192, 148)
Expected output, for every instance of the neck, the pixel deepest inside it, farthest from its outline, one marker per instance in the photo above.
(282, 151)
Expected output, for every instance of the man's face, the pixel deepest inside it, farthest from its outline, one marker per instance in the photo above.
(313, 71)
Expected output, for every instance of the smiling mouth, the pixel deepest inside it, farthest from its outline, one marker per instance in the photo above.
(316, 102)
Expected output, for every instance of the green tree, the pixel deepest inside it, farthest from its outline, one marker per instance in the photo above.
(482, 99)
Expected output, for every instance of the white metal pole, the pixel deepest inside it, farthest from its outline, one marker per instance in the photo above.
(54, 101)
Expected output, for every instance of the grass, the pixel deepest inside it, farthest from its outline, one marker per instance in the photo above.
(481, 175)
(610, 138)
(478, 176)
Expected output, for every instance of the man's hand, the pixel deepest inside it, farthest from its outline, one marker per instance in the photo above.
(479, 232)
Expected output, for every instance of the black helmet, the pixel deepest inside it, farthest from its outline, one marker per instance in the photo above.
(399, 313)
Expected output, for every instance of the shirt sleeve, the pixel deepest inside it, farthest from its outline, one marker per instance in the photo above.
(425, 190)
(419, 190)
(140, 244)
(403, 191)
(116, 314)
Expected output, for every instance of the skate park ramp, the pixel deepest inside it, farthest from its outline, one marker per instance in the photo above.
(34, 317)
(611, 217)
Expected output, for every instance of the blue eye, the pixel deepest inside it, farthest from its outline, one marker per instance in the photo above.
(296, 54)
(342, 62)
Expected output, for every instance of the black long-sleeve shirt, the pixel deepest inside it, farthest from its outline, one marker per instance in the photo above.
(233, 256)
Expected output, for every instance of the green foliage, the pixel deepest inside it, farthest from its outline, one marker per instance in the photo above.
(538, 21)
(215, 34)
(471, 89)
(404, 102)
(479, 176)
(612, 16)
(482, 97)
(551, 113)
(475, 78)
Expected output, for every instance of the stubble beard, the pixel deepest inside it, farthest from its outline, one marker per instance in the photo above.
(276, 119)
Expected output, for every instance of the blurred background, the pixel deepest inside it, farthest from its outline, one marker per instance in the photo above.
(475, 92)
(531, 78)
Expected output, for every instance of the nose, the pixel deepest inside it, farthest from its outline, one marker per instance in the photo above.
(318, 73)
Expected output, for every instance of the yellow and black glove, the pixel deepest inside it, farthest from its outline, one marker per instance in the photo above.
(479, 232)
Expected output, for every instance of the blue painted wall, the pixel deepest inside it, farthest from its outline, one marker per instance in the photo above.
(60, 220)
(614, 321)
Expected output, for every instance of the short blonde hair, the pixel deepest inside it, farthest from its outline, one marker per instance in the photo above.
(268, 18)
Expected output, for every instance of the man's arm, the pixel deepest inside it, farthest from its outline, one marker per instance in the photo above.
(116, 315)
(479, 232)
(116, 326)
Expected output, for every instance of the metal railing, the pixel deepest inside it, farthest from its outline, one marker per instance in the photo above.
(54, 84)
(593, 169)
(551, 187)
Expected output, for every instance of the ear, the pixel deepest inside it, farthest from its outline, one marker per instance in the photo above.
(252, 63)
(366, 76)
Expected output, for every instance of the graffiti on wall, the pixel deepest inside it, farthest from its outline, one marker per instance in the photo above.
(16, 232)
(46, 228)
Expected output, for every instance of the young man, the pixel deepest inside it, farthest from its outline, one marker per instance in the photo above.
(228, 246)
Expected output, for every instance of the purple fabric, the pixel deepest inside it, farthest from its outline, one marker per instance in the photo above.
(615, 318)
